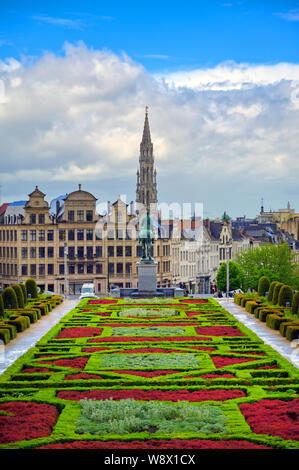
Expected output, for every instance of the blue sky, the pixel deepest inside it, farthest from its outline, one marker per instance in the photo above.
(221, 79)
(162, 35)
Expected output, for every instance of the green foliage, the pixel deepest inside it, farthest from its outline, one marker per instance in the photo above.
(277, 288)
(263, 285)
(143, 361)
(19, 293)
(236, 277)
(271, 291)
(149, 331)
(295, 304)
(2, 311)
(143, 312)
(285, 295)
(24, 291)
(10, 298)
(154, 300)
(127, 416)
(31, 288)
(274, 261)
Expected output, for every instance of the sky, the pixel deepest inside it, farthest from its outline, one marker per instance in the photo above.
(221, 79)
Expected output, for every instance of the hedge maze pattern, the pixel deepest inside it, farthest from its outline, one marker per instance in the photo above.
(200, 355)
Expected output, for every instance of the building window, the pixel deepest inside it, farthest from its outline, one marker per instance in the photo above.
(33, 252)
(50, 269)
(110, 251)
(32, 219)
(41, 235)
(99, 287)
(24, 270)
(71, 252)
(62, 234)
(80, 251)
(99, 252)
(41, 252)
(119, 234)
(80, 216)
(111, 268)
(71, 234)
(119, 268)
(110, 234)
(128, 251)
(16, 235)
(61, 269)
(61, 252)
(32, 235)
(71, 269)
(50, 252)
(89, 252)
(119, 251)
(80, 268)
(138, 251)
(50, 235)
(41, 218)
(71, 216)
(41, 270)
(24, 235)
(32, 269)
(89, 216)
(80, 234)
(89, 268)
(128, 268)
(89, 234)
(24, 252)
(99, 234)
(99, 268)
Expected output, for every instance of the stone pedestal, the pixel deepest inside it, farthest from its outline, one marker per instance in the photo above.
(147, 276)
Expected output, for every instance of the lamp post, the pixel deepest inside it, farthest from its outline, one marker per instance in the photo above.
(108, 280)
(65, 269)
(227, 268)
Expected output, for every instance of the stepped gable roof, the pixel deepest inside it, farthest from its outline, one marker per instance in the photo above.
(3, 207)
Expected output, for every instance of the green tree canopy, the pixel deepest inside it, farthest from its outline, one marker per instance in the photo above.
(274, 261)
(236, 277)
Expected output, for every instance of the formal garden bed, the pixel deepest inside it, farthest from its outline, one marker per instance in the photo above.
(170, 374)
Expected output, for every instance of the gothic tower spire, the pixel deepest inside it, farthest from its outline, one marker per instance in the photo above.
(146, 190)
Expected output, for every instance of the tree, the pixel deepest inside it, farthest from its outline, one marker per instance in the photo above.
(19, 294)
(271, 291)
(285, 295)
(236, 277)
(31, 288)
(274, 261)
(263, 285)
(24, 292)
(276, 292)
(295, 304)
(10, 298)
(2, 311)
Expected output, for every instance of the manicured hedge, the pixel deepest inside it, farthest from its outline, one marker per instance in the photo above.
(285, 296)
(10, 298)
(263, 285)
(295, 304)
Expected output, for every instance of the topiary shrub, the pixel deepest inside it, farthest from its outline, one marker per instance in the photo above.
(2, 311)
(285, 295)
(276, 293)
(19, 293)
(10, 298)
(295, 303)
(24, 292)
(31, 288)
(263, 285)
(271, 291)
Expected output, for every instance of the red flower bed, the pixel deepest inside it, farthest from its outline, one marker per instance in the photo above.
(79, 332)
(221, 361)
(142, 339)
(34, 370)
(273, 417)
(194, 301)
(76, 363)
(218, 376)
(137, 394)
(82, 376)
(154, 373)
(218, 331)
(30, 421)
(268, 367)
(91, 350)
(102, 302)
(157, 444)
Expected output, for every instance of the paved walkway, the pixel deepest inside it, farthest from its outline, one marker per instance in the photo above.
(28, 338)
(273, 338)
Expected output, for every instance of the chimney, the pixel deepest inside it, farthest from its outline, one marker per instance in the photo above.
(80, 187)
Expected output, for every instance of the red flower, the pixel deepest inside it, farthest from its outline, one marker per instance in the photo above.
(218, 331)
(146, 339)
(102, 302)
(82, 376)
(76, 363)
(30, 421)
(34, 370)
(273, 417)
(221, 361)
(79, 332)
(138, 394)
(149, 374)
(157, 444)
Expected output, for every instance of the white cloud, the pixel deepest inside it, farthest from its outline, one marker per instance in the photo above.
(292, 15)
(79, 118)
(64, 22)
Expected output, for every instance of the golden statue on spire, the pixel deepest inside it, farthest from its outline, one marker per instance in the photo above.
(146, 109)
